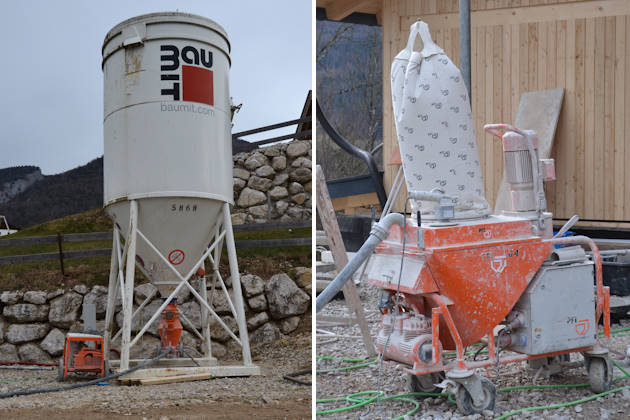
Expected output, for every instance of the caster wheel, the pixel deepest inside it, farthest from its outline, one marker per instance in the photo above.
(467, 406)
(599, 375)
(60, 377)
(425, 383)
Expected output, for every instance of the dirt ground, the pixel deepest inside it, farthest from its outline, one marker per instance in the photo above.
(268, 396)
(348, 344)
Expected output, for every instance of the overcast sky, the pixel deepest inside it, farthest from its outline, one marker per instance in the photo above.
(51, 83)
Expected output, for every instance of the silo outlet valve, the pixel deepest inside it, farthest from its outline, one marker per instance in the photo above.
(170, 328)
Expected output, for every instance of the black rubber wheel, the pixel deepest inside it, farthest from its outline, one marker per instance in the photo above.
(60, 377)
(425, 383)
(465, 402)
(599, 376)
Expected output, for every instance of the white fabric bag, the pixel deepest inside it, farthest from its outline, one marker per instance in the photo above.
(435, 129)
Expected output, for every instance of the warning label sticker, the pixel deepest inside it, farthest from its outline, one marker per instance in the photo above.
(176, 257)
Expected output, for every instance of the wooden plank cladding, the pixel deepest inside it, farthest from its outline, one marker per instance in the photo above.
(525, 45)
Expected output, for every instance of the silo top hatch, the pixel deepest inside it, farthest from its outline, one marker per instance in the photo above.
(152, 23)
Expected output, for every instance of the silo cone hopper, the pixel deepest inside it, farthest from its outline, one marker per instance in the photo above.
(168, 186)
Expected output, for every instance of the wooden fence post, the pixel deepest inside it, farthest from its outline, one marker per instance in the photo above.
(59, 240)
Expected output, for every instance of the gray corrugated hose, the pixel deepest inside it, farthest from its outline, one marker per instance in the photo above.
(377, 235)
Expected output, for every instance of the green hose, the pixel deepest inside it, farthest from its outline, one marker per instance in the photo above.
(357, 402)
(561, 405)
(357, 364)
(360, 402)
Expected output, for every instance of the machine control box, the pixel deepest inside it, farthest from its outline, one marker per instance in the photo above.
(558, 310)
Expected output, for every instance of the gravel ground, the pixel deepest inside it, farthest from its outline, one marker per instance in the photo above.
(394, 381)
(269, 395)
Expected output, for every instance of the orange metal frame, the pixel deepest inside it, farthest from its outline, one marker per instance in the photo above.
(66, 356)
(445, 252)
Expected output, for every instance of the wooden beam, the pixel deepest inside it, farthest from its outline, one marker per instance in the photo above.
(353, 201)
(170, 372)
(175, 379)
(343, 8)
(327, 216)
(531, 14)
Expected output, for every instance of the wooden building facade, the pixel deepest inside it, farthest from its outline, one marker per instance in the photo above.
(525, 45)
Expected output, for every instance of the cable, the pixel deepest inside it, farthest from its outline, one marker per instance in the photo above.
(396, 309)
(292, 377)
(142, 365)
(190, 357)
(478, 351)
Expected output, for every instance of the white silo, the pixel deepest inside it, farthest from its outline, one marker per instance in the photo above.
(168, 164)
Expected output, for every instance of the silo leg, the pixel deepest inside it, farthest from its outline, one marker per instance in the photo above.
(236, 284)
(111, 297)
(129, 278)
(205, 321)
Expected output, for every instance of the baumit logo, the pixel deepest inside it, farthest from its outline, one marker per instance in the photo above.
(186, 74)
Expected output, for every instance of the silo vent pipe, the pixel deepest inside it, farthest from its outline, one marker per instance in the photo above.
(377, 235)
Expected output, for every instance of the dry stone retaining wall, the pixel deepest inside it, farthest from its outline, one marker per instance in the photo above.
(273, 183)
(33, 324)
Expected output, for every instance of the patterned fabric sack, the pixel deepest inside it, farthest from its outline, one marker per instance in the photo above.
(435, 129)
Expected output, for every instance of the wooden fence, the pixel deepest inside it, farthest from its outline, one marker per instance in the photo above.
(103, 236)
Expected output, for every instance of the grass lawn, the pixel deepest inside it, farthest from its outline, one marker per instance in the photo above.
(46, 275)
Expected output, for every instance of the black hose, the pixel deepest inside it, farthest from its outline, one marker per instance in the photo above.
(479, 350)
(142, 365)
(291, 377)
(190, 357)
(354, 151)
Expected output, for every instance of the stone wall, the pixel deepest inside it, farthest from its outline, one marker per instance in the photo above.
(33, 324)
(273, 183)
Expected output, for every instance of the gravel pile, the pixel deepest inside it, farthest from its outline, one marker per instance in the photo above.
(348, 344)
(269, 395)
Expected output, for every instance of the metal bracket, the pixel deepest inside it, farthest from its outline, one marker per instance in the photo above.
(134, 35)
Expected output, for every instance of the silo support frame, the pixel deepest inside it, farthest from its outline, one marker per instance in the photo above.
(236, 285)
(124, 283)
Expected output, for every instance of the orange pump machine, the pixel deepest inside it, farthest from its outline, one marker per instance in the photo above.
(449, 280)
(496, 279)
(82, 353)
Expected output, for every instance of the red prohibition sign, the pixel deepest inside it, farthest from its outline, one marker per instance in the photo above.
(176, 257)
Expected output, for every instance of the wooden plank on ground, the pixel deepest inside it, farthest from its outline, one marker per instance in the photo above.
(169, 372)
(327, 216)
(175, 379)
(538, 111)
